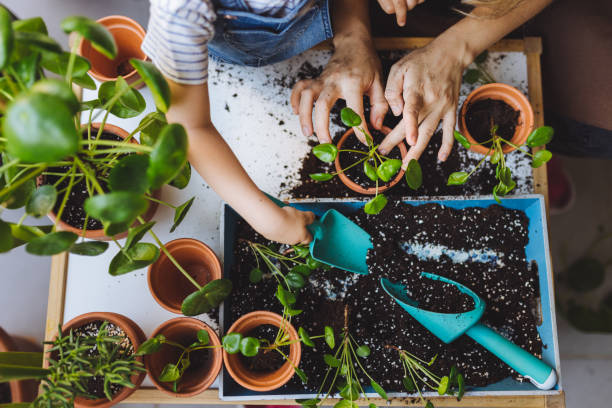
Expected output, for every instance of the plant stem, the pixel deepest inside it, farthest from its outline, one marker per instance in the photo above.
(352, 165)
(65, 198)
(155, 200)
(92, 178)
(515, 146)
(73, 51)
(480, 162)
(8, 165)
(18, 183)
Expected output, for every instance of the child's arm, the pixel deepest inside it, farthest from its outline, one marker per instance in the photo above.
(210, 155)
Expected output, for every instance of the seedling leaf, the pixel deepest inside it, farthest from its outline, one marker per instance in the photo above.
(305, 337)
(387, 169)
(52, 243)
(180, 213)
(349, 117)
(330, 339)
(41, 201)
(457, 178)
(414, 175)
(375, 205)
(462, 139)
(540, 136)
(326, 152)
(255, 275)
(363, 351)
(231, 342)
(249, 346)
(207, 298)
(89, 248)
(321, 176)
(540, 157)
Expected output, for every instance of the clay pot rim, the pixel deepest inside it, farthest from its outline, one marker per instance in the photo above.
(216, 273)
(129, 21)
(370, 190)
(513, 97)
(285, 373)
(136, 336)
(217, 359)
(18, 392)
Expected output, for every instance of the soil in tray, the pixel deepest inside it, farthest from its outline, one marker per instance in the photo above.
(507, 283)
(265, 360)
(356, 173)
(74, 214)
(437, 296)
(5, 393)
(482, 115)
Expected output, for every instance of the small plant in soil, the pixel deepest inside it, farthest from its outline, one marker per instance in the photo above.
(345, 364)
(376, 167)
(503, 174)
(417, 376)
(80, 365)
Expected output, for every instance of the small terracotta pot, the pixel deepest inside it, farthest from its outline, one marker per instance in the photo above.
(136, 336)
(356, 187)
(99, 233)
(24, 390)
(262, 381)
(510, 95)
(128, 35)
(168, 285)
(184, 331)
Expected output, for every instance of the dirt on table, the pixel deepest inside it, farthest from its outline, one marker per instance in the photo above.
(265, 360)
(483, 114)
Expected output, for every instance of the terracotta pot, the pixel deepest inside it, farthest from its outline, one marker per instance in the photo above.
(168, 285)
(356, 187)
(99, 234)
(262, 381)
(184, 330)
(136, 336)
(513, 97)
(25, 390)
(128, 35)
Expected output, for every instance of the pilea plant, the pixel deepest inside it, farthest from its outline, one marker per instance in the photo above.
(376, 166)
(503, 174)
(42, 138)
(344, 364)
(417, 376)
(73, 361)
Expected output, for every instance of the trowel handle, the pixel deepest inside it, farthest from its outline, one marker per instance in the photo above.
(316, 228)
(538, 372)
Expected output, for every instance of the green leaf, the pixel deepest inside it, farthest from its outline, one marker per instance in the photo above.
(482, 57)
(59, 89)
(130, 174)
(19, 197)
(180, 212)
(331, 360)
(249, 346)
(37, 41)
(12, 372)
(408, 384)
(305, 337)
(414, 175)
(6, 237)
(371, 405)
(129, 105)
(540, 136)
(379, 390)
(363, 351)
(141, 255)
(300, 373)
(41, 201)
(151, 346)
(443, 387)
(540, 157)
(25, 233)
(350, 393)
(182, 179)
(7, 37)
(457, 178)
(99, 37)
(207, 298)
(330, 339)
(349, 117)
(21, 358)
(285, 297)
(255, 275)
(168, 157)
(295, 280)
(471, 76)
(346, 404)
(40, 128)
(26, 69)
(495, 196)
(452, 377)
(58, 64)
(461, 385)
(203, 337)
(35, 24)
(51, 244)
(496, 157)
(505, 177)
(585, 274)
(150, 127)
(370, 171)
(170, 373)
(321, 176)
(462, 139)
(388, 169)
(112, 229)
(116, 207)
(326, 152)
(301, 251)
(293, 312)
(312, 263)
(155, 82)
(135, 234)
(302, 270)
(84, 81)
(429, 404)
(89, 248)
(231, 342)
(375, 205)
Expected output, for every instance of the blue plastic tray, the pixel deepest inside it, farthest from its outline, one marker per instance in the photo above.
(537, 250)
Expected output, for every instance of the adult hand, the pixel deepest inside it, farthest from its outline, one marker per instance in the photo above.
(424, 86)
(400, 8)
(353, 71)
(289, 226)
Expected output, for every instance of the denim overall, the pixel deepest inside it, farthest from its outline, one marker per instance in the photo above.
(244, 38)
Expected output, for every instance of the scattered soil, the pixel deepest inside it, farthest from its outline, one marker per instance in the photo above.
(482, 115)
(265, 360)
(356, 173)
(503, 278)
(5, 393)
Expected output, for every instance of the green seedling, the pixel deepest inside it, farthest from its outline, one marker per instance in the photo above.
(376, 166)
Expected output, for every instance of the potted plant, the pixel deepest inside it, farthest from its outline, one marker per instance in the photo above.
(16, 391)
(91, 362)
(377, 168)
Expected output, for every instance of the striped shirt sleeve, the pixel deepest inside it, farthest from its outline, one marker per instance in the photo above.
(177, 38)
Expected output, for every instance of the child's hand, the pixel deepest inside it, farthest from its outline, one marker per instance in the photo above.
(289, 226)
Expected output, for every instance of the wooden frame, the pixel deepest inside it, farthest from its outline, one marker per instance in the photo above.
(532, 47)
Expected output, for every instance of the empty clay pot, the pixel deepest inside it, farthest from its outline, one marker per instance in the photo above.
(128, 35)
(262, 381)
(168, 285)
(204, 367)
(356, 187)
(25, 390)
(510, 95)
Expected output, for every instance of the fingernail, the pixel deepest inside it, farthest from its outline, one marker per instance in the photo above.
(306, 131)
(382, 151)
(396, 109)
(378, 123)
(442, 156)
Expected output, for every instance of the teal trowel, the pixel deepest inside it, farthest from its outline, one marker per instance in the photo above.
(448, 326)
(338, 241)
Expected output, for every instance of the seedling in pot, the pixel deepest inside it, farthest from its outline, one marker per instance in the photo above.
(344, 365)
(376, 166)
(417, 375)
(503, 174)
